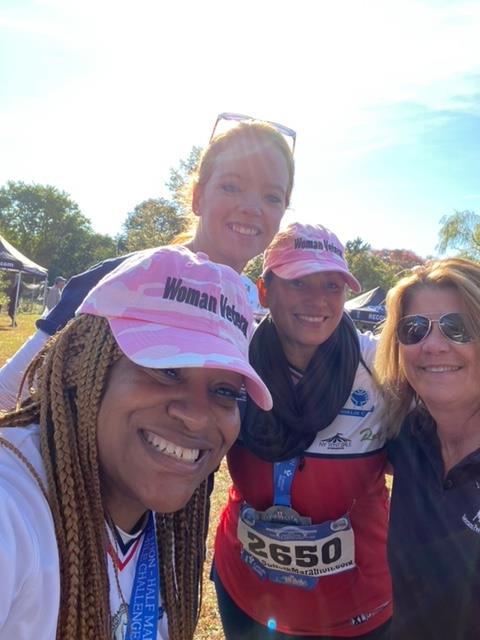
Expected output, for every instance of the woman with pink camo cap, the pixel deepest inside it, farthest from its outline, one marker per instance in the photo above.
(239, 194)
(103, 470)
(300, 550)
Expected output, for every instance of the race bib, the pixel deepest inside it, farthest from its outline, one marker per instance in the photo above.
(295, 554)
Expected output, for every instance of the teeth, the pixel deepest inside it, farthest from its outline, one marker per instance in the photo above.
(441, 369)
(310, 318)
(170, 449)
(247, 231)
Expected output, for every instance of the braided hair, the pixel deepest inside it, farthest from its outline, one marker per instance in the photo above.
(67, 380)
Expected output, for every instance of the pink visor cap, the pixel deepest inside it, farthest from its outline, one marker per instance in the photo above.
(171, 308)
(305, 249)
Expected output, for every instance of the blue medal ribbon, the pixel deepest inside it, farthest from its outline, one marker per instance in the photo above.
(283, 474)
(143, 611)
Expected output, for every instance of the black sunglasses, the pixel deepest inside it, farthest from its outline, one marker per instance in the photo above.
(288, 133)
(414, 329)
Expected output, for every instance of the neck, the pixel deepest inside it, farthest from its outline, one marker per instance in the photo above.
(123, 512)
(459, 433)
(297, 355)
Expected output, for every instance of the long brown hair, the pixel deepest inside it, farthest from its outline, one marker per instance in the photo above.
(67, 381)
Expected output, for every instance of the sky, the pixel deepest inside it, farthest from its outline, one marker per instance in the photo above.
(101, 98)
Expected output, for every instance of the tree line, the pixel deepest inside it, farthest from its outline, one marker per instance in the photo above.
(46, 224)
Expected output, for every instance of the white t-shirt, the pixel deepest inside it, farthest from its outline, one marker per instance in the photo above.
(12, 371)
(29, 563)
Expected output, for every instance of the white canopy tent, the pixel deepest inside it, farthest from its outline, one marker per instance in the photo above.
(12, 260)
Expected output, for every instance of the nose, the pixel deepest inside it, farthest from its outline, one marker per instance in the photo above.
(435, 342)
(317, 294)
(192, 409)
(251, 204)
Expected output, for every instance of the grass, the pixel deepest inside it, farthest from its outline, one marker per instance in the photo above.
(209, 627)
(12, 338)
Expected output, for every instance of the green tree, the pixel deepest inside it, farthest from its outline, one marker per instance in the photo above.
(48, 226)
(355, 247)
(254, 268)
(153, 223)
(369, 269)
(156, 221)
(460, 231)
(179, 180)
(400, 259)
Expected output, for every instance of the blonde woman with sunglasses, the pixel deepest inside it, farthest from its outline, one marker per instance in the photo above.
(429, 355)
(238, 196)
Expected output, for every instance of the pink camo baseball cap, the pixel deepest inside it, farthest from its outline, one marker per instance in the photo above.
(305, 249)
(171, 308)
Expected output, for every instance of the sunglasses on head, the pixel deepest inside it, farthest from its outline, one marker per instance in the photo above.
(414, 329)
(289, 134)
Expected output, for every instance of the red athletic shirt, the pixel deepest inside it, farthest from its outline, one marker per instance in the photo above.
(341, 473)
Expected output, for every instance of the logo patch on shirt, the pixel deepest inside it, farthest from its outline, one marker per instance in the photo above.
(474, 523)
(368, 435)
(338, 441)
(359, 397)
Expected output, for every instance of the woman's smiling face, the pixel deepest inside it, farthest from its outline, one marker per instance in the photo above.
(306, 311)
(443, 373)
(241, 204)
(160, 434)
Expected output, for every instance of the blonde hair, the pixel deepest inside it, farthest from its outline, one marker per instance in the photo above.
(68, 380)
(455, 273)
(253, 135)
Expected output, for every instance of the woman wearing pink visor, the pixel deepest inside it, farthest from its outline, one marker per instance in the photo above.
(103, 469)
(300, 548)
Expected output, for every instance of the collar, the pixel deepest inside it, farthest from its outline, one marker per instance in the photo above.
(422, 427)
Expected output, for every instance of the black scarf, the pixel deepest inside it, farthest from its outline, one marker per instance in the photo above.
(299, 411)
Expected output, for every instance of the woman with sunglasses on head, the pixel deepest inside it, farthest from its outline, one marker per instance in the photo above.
(429, 356)
(103, 470)
(239, 194)
(300, 550)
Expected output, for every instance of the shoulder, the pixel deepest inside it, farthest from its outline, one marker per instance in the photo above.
(18, 544)
(18, 482)
(26, 522)
(27, 441)
(414, 428)
(368, 346)
(23, 514)
(73, 294)
(19, 556)
(29, 563)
